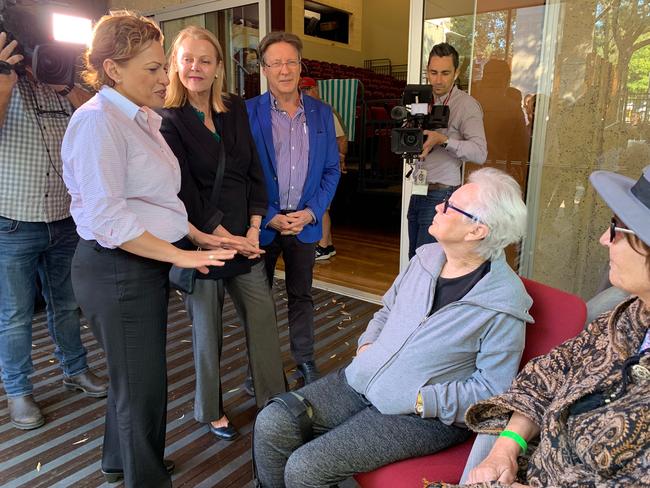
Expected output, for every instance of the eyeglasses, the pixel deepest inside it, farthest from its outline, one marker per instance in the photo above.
(62, 113)
(448, 205)
(277, 65)
(614, 227)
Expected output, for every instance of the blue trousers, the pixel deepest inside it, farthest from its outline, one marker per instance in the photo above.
(422, 209)
(28, 249)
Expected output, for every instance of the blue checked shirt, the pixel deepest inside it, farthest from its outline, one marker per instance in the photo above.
(291, 143)
(31, 184)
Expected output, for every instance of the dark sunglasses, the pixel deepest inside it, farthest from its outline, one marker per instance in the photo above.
(459, 210)
(614, 227)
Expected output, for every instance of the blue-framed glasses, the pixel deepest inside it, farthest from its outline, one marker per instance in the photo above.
(460, 210)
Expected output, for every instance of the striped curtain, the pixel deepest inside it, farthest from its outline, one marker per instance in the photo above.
(342, 95)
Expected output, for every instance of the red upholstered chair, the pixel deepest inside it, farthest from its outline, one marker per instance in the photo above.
(558, 316)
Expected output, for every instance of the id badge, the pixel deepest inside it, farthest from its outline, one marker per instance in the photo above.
(420, 185)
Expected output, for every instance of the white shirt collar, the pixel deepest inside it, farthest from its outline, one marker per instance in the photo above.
(129, 108)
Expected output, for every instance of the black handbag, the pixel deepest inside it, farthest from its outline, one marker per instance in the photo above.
(182, 279)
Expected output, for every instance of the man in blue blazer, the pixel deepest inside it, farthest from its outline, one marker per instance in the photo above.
(296, 143)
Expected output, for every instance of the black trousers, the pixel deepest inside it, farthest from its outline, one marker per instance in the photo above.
(299, 270)
(124, 297)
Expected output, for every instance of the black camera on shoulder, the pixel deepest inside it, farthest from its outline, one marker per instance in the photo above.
(414, 113)
(30, 24)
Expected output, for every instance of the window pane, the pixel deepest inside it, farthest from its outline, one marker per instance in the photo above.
(597, 119)
(237, 30)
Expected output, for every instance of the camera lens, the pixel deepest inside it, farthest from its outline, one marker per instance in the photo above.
(410, 139)
(55, 64)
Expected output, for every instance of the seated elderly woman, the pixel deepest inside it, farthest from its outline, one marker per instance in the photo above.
(450, 333)
(586, 402)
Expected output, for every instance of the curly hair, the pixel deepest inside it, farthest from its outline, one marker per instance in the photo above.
(120, 36)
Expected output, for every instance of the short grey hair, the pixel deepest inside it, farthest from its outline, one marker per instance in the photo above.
(500, 206)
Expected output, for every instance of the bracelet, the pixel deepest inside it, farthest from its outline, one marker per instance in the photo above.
(254, 227)
(511, 434)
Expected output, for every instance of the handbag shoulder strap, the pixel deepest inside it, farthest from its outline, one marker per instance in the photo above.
(218, 179)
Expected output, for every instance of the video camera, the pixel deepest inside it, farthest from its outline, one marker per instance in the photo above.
(50, 38)
(414, 113)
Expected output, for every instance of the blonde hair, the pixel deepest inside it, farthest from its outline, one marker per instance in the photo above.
(176, 92)
(120, 36)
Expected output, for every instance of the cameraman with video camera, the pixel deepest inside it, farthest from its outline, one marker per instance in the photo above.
(37, 234)
(438, 172)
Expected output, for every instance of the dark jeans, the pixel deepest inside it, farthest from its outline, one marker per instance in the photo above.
(422, 209)
(352, 437)
(299, 260)
(124, 297)
(252, 298)
(28, 249)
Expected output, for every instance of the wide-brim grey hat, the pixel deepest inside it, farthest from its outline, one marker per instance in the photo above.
(628, 199)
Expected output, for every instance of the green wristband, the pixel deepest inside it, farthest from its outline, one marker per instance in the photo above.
(510, 434)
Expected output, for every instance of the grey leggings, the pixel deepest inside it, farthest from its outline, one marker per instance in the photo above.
(351, 436)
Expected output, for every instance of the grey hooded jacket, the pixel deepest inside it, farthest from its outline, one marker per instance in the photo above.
(467, 351)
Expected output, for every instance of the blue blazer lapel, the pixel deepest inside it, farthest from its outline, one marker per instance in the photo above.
(264, 118)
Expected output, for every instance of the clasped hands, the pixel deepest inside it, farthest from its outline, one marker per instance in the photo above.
(291, 223)
(248, 246)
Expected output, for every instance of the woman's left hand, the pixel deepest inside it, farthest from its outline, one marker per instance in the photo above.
(209, 241)
(253, 237)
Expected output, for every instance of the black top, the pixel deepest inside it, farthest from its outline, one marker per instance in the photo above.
(243, 192)
(450, 290)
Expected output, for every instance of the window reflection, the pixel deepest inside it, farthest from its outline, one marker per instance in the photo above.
(238, 32)
(502, 45)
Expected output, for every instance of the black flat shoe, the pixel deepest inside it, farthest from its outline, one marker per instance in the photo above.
(227, 433)
(309, 371)
(113, 476)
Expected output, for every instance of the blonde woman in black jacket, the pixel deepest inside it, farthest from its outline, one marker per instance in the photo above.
(200, 123)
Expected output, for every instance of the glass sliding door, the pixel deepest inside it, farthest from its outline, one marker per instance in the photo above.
(595, 118)
(237, 25)
(564, 89)
(499, 43)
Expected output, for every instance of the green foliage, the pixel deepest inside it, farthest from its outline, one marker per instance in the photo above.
(639, 69)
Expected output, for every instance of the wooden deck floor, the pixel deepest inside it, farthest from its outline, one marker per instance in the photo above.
(66, 450)
(366, 260)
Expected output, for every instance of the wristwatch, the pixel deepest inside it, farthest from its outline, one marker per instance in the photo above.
(444, 144)
(6, 68)
(419, 404)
